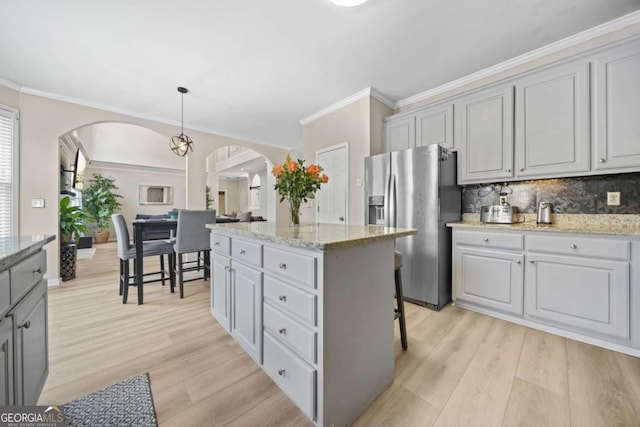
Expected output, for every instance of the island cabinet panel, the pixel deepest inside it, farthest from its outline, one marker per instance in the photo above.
(290, 299)
(552, 121)
(26, 274)
(484, 135)
(5, 293)
(221, 290)
(291, 265)
(6, 361)
(246, 308)
(587, 294)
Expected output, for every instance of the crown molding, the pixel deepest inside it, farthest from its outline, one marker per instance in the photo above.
(134, 168)
(620, 23)
(369, 91)
(70, 100)
(10, 84)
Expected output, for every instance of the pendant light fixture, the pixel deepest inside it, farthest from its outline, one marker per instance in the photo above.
(181, 145)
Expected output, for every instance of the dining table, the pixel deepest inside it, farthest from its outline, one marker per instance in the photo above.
(140, 226)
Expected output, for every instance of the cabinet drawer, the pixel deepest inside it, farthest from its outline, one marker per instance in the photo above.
(290, 299)
(600, 248)
(27, 274)
(300, 338)
(5, 293)
(293, 376)
(490, 239)
(300, 268)
(246, 252)
(220, 244)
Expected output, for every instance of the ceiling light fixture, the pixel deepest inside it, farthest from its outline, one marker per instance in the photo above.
(348, 3)
(181, 145)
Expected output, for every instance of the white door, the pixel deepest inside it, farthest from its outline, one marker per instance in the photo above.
(331, 200)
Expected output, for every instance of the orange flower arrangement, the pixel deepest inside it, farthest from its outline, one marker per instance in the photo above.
(297, 183)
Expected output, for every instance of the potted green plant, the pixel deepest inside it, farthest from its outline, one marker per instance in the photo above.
(72, 223)
(100, 202)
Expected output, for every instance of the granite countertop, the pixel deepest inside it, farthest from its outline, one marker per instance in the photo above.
(14, 248)
(622, 225)
(313, 236)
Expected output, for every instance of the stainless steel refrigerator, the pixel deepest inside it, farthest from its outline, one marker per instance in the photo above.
(416, 188)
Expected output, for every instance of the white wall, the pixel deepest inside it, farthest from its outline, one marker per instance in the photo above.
(128, 178)
(236, 194)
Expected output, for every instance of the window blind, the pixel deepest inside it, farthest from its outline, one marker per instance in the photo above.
(8, 172)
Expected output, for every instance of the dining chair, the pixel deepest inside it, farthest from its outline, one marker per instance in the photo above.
(192, 236)
(127, 252)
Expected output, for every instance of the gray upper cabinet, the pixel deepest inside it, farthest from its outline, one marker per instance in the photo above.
(434, 125)
(484, 135)
(401, 133)
(552, 121)
(616, 109)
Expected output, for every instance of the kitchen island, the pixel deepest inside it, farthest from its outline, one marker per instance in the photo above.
(313, 305)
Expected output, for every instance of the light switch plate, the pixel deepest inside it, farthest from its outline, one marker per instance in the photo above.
(37, 203)
(613, 198)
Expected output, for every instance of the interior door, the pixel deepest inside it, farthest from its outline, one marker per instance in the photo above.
(332, 198)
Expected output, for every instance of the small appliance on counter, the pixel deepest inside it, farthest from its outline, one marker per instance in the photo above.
(544, 213)
(498, 214)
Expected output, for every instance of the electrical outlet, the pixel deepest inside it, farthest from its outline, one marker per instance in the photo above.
(37, 203)
(613, 198)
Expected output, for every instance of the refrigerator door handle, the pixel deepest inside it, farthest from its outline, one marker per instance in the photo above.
(387, 196)
(392, 201)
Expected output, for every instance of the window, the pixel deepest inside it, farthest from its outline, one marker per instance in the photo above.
(8, 171)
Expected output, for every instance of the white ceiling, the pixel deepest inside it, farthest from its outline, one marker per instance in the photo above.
(256, 67)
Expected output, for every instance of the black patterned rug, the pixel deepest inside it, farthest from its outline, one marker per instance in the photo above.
(128, 403)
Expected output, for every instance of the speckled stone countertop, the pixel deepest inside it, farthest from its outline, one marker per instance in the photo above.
(14, 248)
(320, 237)
(622, 225)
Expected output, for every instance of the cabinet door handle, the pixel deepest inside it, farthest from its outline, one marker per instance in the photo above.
(242, 252)
(521, 169)
(226, 267)
(532, 261)
(283, 266)
(38, 270)
(282, 331)
(25, 325)
(282, 298)
(601, 160)
(486, 239)
(573, 246)
(281, 372)
(509, 170)
(518, 262)
(216, 244)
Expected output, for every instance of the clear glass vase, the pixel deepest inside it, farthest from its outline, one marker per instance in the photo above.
(294, 212)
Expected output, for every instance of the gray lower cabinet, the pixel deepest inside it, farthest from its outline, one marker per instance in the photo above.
(6, 361)
(616, 108)
(583, 284)
(552, 121)
(31, 345)
(490, 278)
(484, 135)
(579, 293)
(24, 342)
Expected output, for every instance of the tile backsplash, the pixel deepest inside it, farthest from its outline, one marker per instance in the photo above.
(582, 195)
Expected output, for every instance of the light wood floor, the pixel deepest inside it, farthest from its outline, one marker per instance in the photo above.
(461, 369)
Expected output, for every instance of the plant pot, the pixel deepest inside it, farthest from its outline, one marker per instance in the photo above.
(68, 255)
(101, 236)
